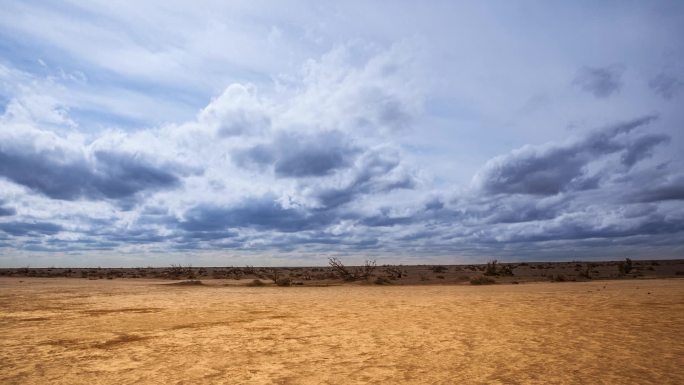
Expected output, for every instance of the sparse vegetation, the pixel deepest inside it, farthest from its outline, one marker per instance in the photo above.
(394, 273)
(490, 269)
(482, 280)
(418, 274)
(557, 278)
(382, 281)
(494, 268)
(586, 272)
(625, 267)
(363, 272)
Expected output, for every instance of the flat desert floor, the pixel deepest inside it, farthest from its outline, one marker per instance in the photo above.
(71, 331)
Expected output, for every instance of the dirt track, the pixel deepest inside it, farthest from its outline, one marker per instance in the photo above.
(70, 331)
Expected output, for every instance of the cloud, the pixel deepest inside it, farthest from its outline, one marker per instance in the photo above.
(552, 168)
(6, 211)
(375, 172)
(642, 148)
(301, 155)
(517, 209)
(666, 85)
(602, 82)
(259, 213)
(60, 174)
(18, 228)
(670, 190)
(237, 111)
(120, 175)
(587, 225)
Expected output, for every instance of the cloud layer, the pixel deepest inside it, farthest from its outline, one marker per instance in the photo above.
(308, 142)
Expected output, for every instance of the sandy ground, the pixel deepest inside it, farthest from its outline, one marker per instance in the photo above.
(70, 331)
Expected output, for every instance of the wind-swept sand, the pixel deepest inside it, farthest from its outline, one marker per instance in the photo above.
(69, 331)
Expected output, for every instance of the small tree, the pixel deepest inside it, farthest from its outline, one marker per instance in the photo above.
(625, 267)
(490, 269)
(586, 273)
(364, 272)
(339, 269)
(274, 274)
(368, 268)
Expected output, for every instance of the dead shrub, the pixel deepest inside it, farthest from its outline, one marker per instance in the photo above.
(382, 281)
(363, 272)
(482, 281)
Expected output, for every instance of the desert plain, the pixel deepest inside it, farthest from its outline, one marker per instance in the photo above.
(223, 331)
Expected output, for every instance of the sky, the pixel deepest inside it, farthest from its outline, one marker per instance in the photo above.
(283, 133)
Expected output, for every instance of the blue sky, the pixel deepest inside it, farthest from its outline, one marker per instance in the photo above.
(280, 133)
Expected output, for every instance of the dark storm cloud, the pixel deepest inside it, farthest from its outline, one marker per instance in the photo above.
(136, 236)
(18, 228)
(642, 148)
(549, 170)
(518, 211)
(122, 175)
(666, 85)
(296, 155)
(75, 245)
(385, 220)
(671, 190)
(573, 229)
(260, 156)
(60, 175)
(6, 211)
(259, 213)
(600, 81)
(373, 174)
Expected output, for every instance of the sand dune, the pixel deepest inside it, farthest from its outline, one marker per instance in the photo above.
(69, 331)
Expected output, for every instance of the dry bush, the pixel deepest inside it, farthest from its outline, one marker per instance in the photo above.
(625, 267)
(490, 269)
(273, 275)
(586, 273)
(558, 278)
(394, 272)
(482, 281)
(380, 280)
(364, 272)
(494, 268)
(255, 283)
(178, 271)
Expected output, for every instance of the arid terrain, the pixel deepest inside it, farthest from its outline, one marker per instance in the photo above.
(147, 331)
(336, 273)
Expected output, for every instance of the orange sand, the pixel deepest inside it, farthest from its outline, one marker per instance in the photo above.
(70, 331)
